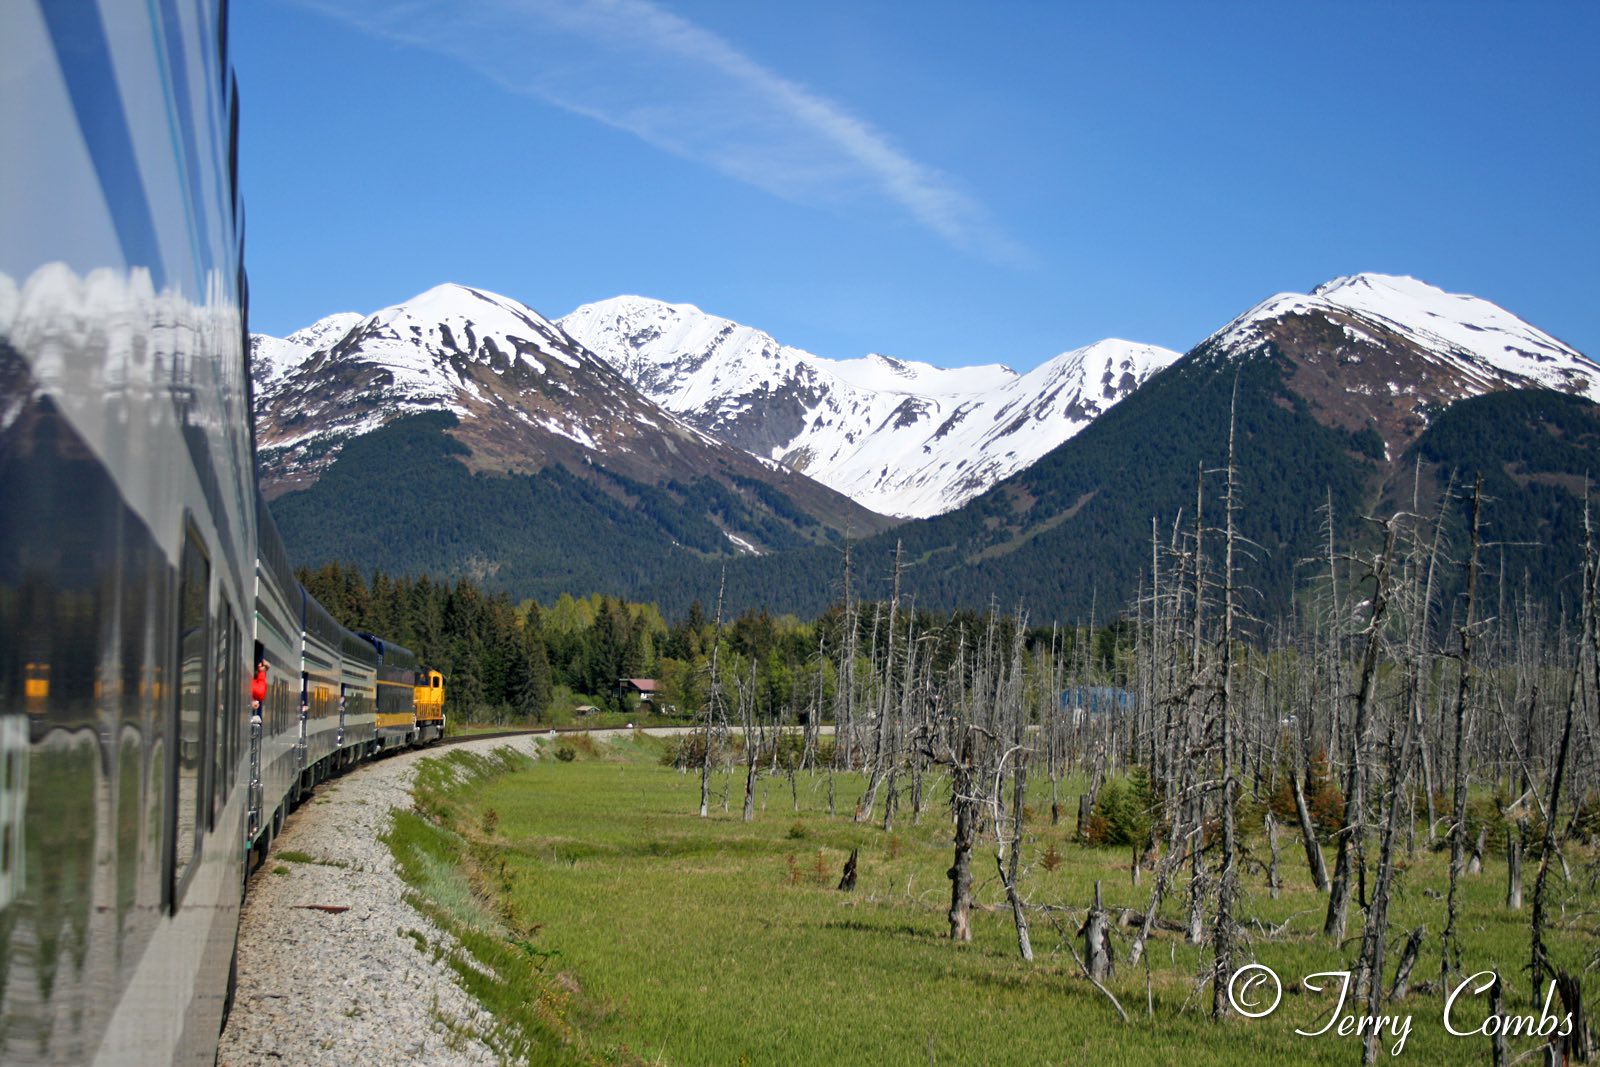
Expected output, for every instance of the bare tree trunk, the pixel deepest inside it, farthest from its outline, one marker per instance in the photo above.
(966, 818)
(1196, 929)
(882, 759)
(1097, 940)
(1540, 957)
(1408, 960)
(1227, 873)
(1513, 870)
(1007, 865)
(1308, 834)
(1355, 772)
(752, 743)
(1579, 1044)
(1498, 1054)
(1376, 931)
(1450, 957)
(847, 880)
(713, 710)
(1274, 884)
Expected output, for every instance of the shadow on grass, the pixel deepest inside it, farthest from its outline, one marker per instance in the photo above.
(885, 930)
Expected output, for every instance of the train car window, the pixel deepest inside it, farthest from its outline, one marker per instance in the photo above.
(226, 705)
(238, 714)
(186, 804)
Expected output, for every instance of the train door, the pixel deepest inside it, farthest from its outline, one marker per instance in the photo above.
(187, 811)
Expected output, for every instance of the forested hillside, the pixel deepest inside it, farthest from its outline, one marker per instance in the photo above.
(401, 499)
(1071, 536)
(1537, 451)
(1074, 530)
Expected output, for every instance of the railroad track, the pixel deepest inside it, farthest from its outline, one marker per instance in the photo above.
(549, 731)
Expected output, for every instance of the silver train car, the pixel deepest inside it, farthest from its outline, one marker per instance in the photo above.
(141, 577)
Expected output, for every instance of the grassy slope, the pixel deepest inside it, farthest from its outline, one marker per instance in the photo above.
(685, 941)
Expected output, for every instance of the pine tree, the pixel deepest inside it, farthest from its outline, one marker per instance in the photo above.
(532, 696)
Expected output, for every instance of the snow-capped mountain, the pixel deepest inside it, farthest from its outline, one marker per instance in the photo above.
(900, 437)
(525, 393)
(451, 348)
(1388, 352)
(1489, 346)
(271, 358)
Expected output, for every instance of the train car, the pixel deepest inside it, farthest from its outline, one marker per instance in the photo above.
(428, 696)
(322, 683)
(397, 699)
(127, 535)
(358, 699)
(275, 753)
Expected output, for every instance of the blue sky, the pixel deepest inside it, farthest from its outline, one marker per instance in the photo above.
(953, 182)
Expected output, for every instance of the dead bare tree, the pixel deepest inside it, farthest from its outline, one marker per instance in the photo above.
(1227, 872)
(1589, 647)
(1355, 768)
(1450, 956)
(714, 717)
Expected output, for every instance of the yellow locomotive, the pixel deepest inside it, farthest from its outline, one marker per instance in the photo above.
(428, 698)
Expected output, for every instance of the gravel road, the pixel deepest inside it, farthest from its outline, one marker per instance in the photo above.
(349, 987)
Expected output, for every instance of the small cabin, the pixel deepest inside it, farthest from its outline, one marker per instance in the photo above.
(646, 689)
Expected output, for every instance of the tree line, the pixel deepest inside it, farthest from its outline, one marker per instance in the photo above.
(529, 663)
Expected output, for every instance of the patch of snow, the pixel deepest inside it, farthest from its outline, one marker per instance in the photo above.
(741, 544)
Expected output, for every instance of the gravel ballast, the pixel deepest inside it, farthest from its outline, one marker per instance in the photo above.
(347, 987)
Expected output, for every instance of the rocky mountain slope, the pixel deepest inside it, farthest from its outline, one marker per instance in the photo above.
(525, 398)
(1390, 353)
(898, 436)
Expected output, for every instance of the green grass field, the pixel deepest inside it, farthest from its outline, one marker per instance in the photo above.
(606, 922)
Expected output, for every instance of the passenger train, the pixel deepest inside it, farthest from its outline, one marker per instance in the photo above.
(141, 577)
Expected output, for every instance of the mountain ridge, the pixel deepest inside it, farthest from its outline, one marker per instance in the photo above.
(1334, 390)
(900, 436)
(525, 397)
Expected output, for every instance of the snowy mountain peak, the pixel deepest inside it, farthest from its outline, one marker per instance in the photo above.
(452, 348)
(272, 358)
(901, 436)
(1465, 325)
(1486, 346)
(1377, 352)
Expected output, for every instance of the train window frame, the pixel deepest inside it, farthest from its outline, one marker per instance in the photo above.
(225, 704)
(192, 589)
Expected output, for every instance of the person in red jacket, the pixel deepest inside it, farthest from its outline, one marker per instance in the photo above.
(258, 690)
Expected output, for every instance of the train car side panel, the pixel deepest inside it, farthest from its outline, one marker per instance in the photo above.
(276, 754)
(127, 536)
(321, 676)
(397, 708)
(358, 696)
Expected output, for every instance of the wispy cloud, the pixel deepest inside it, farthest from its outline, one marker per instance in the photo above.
(638, 67)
